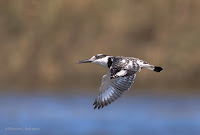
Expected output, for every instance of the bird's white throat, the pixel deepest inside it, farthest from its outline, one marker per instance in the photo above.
(102, 61)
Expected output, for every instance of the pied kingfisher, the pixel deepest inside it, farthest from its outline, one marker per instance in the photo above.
(119, 78)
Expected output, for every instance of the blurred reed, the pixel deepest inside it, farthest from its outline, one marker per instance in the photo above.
(41, 41)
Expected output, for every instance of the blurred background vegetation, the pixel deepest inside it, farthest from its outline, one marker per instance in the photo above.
(41, 41)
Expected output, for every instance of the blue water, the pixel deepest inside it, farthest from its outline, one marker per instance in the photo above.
(40, 114)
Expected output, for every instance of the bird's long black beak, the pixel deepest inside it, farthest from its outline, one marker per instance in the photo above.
(85, 61)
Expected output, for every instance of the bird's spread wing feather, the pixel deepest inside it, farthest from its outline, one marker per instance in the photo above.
(112, 88)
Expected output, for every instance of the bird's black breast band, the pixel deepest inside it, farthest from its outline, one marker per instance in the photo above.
(109, 62)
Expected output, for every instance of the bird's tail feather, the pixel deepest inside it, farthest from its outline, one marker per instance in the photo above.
(154, 68)
(157, 69)
(144, 64)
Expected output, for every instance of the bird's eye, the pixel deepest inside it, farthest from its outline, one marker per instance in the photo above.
(100, 56)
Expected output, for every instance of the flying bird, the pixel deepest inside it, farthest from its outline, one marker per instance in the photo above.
(119, 78)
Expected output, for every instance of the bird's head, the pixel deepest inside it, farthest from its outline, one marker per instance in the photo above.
(99, 59)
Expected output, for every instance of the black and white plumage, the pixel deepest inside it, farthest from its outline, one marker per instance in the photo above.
(119, 78)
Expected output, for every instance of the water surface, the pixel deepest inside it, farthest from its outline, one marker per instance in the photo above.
(38, 114)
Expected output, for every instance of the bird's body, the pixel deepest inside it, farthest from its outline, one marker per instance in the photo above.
(119, 78)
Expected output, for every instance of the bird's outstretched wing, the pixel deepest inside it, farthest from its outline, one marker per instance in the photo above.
(112, 88)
